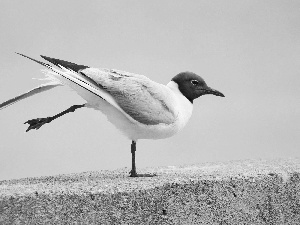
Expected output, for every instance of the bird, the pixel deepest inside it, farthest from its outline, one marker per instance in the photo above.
(137, 106)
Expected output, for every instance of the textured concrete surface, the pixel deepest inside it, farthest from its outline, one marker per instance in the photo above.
(240, 192)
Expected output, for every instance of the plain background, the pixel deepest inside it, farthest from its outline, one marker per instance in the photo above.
(249, 50)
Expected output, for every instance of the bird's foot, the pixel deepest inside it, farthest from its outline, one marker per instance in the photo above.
(135, 174)
(37, 123)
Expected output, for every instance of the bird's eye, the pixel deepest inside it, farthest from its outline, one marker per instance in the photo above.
(194, 82)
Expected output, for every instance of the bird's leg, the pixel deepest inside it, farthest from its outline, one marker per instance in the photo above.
(37, 123)
(133, 150)
(133, 172)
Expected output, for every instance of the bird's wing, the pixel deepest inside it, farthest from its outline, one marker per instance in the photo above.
(136, 96)
(144, 100)
(34, 91)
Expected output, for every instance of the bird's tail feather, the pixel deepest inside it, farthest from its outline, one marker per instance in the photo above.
(44, 87)
(56, 77)
(39, 89)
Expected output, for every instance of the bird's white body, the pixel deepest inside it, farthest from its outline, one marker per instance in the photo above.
(177, 112)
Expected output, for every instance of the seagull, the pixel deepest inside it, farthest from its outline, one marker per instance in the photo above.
(139, 107)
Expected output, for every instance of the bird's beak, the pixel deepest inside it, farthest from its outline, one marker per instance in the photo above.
(209, 90)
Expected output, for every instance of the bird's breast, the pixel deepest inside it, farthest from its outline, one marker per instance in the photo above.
(182, 110)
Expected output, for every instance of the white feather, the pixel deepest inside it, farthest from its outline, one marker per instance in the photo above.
(39, 89)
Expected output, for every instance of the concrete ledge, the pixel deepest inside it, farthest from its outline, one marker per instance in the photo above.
(240, 192)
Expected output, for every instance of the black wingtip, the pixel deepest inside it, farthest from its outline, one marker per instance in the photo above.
(39, 62)
(66, 64)
(57, 62)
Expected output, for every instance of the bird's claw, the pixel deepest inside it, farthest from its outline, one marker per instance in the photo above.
(135, 174)
(37, 123)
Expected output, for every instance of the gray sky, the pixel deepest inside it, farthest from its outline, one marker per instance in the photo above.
(249, 50)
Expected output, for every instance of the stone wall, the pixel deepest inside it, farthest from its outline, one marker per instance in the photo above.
(240, 192)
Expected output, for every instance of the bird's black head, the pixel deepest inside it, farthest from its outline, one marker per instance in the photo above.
(193, 86)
